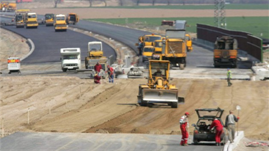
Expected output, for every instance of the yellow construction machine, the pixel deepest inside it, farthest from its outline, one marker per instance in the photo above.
(59, 23)
(175, 47)
(8, 6)
(72, 18)
(158, 50)
(96, 54)
(20, 17)
(147, 53)
(147, 40)
(31, 20)
(49, 19)
(188, 42)
(225, 52)
(158, 89)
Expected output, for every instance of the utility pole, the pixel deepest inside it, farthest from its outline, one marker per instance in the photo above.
(219, 14)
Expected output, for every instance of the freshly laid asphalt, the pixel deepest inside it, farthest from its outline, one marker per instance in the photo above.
(48, 43)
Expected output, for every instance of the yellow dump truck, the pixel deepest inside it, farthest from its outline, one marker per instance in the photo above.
(158, 88)
(31, 20)
(20, 17)
(175, 47)
(72, 18)
(49, 19)
(225, 51)
(147, 40)
(59, 23)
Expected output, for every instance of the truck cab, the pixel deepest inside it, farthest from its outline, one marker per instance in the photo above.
(72, 18)
(147, 53)
(59, 23)
(70, 59)
(49, 19)
(158, 52)
(31, 20)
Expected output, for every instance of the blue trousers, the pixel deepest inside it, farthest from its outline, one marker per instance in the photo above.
(111, 78)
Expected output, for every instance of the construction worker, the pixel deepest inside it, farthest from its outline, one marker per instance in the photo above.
(97, 79)
(97, 68)
(230, 125)
(110, 73)
(140, 45)
(219, 129)
(183, 127)
(229, 76)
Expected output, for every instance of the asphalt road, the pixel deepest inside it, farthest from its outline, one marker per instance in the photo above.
(199, 58)
(98, 142)
(48, 43)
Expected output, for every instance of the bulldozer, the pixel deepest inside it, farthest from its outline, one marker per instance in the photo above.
(96, 54)
(225, 52)
(158, 89)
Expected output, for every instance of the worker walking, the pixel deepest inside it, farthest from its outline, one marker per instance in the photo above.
(97, 68)
(183, 127)
(229, 76)
(219, 130)
(230, 125)
(110, 73)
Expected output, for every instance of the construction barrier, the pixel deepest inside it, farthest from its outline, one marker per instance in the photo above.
(246, 42)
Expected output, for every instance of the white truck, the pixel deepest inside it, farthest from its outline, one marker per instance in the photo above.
(14, 64)
(70, 59)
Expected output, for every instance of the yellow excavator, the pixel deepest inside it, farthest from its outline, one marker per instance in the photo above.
(158, 89)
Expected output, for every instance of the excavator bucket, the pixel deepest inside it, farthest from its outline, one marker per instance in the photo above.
(161, 96)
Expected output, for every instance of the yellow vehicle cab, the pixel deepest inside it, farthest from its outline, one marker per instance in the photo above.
(147, 53)
(49, 19)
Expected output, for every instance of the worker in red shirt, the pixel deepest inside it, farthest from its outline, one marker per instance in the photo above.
(183, 127)
(219, 130)
(110, 72)
(97, 68)
(97, 79)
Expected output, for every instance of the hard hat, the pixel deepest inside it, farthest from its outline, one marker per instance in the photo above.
(187, 113)
(95, 74)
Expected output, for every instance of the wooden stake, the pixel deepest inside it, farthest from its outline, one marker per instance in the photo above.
(28, 115)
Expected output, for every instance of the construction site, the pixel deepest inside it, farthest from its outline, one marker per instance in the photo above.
(52, 99)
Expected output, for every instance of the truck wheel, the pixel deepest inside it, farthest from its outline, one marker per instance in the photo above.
(174, 105)
(64, 70)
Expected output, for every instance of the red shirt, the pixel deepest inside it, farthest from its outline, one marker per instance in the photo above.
(97, 67)
(216, 123)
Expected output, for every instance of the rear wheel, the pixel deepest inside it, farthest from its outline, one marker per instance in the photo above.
(64, 70)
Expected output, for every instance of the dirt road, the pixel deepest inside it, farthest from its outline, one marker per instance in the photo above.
(65, 104)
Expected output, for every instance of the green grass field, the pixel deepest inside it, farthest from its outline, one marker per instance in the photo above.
(253, 25)
(230, 6)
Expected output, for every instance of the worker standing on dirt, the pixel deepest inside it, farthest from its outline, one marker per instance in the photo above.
(219, 129)
(97, 68)
(110, 73)
(97, 79)
(183, 127)
(230, 125)
(229, 76)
